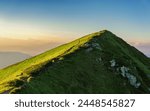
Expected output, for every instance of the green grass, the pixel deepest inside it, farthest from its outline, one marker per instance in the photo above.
(15, 71)
(70, 69)
(76, 74)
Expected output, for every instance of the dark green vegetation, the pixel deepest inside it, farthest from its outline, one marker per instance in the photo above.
(97, 63)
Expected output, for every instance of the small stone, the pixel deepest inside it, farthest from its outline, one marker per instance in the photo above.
(113, 63)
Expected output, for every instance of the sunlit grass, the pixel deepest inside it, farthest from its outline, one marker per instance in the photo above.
(16, 71)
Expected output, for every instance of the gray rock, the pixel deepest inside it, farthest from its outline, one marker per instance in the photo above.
(113, 63)
(124, 70)
(97, 46)
(131, 78)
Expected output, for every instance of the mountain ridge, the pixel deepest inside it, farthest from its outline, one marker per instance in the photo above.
(8, 58)
(100, 54)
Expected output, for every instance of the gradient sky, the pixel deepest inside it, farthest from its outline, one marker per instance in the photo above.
(53, 22)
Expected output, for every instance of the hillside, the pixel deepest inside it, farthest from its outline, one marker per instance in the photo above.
(9, 58)
(97, 63)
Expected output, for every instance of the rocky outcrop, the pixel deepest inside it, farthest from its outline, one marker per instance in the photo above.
(131, 78)
(91, 46)
(124, 71)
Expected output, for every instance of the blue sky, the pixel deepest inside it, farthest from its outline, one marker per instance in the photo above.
(71, 19)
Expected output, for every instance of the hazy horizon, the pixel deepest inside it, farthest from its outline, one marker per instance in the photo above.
(34, 47)
(33, 27)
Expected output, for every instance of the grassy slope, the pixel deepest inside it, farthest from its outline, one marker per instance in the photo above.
(15, 71)
(79, 71)
(130, 57)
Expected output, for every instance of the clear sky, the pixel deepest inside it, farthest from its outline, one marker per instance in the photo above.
(60, 21)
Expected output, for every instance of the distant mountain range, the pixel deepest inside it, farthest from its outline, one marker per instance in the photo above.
(9, 58)
(98, 63)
